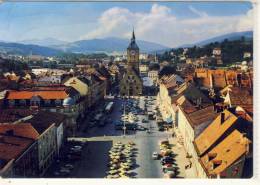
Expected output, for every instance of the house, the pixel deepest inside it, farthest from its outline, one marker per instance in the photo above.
(228, 127)
(227, 159)
(82, 85)
(48, 133)
(46, 141)
(143, 68)
(153, 75)
(193, 113)
(236, 96)
(18, 151)
(216, 51)
(62, 99)
(44, 134)
(167, 83)
(50, 118)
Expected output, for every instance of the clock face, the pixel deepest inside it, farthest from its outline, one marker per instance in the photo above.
(132, 52)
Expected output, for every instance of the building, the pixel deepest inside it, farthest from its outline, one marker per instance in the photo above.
(143, 68)
(193, 112)
(18, 151)
(220, 78)
(227, 159)
(236, 96)
(64, 100)
(82, 85)
(143, 56)
(217, 55)
(50, 118)
(131, 84)
(168, 84)
(153, 75)
(47, 134)
(223, 153)
(216, 51)
(247, 55)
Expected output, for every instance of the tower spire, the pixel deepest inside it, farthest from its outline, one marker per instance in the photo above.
(133, 35)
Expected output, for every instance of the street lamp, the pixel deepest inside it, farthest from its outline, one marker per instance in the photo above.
(124, 128)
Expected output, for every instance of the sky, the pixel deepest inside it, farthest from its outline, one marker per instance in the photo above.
(168, 23)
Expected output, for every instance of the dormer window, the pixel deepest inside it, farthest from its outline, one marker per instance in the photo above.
(211, 156)
(216, 163)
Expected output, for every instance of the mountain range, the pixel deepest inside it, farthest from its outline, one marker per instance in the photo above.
(229, 36)
(51, 46)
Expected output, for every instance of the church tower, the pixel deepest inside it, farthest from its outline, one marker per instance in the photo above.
(133, 54)
(131, 83)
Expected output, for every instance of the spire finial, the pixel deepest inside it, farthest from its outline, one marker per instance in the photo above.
(133, 35)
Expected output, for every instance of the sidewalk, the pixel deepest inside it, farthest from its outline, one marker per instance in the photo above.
(181, 159)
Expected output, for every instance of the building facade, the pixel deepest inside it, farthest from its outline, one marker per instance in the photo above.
(131, 84)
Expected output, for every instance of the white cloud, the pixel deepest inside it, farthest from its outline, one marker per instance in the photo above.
(161, 26)
(246, 22)
(199, 13)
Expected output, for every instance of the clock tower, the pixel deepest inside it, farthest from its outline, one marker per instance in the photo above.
(133, 54)
(131, 84)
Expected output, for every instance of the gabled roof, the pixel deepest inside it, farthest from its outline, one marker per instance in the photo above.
(228, 151)
(240, 97)
(25, 130)
(191, 93)
(214, 131)
(49, 118)
(11, 147)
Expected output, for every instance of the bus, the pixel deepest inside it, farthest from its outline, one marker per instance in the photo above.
(109, 107)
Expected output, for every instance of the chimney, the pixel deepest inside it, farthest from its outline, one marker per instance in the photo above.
(222, 117)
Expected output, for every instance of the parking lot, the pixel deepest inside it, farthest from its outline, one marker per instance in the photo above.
(94, 158)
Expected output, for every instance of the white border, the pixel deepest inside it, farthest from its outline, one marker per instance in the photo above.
(253, 180)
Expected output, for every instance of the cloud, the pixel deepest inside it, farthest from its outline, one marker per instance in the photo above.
(162, 26)
(197, 12)
(246, 22)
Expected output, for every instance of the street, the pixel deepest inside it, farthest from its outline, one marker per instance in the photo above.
(95, 155)
(146, 143)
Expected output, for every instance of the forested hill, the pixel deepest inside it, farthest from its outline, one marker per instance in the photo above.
(232, 51)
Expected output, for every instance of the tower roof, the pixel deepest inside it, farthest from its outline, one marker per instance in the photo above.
(133, 44)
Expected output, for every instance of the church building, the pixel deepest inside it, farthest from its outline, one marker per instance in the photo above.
(131, 84)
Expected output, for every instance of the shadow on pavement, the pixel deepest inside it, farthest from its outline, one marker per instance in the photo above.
(93, 164)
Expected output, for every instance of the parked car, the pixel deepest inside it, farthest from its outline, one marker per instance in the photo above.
(170, 168)
(167, 160)
(164, 142)
(170, 174)
(69, 166)
(144, 121)
(155, 155)
(141, 128)
(160, 128)
(64, 172)
(92, 124)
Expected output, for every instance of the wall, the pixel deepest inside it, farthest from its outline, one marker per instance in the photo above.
(46, 148)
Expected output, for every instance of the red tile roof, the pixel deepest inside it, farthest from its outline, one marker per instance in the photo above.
(12, 147)
(11, 115)
(25, 130)
(16, 95)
